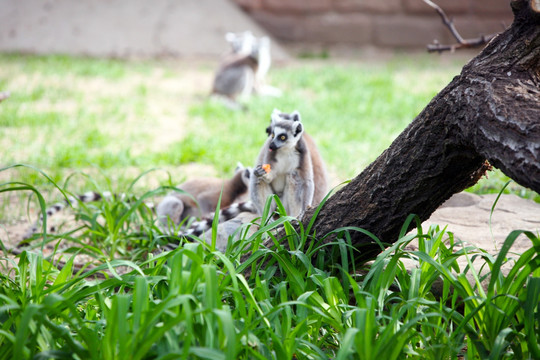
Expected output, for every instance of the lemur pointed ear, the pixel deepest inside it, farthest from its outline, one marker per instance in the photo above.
(276, 115)
(295, 116)
(239, 166)
(298, 129)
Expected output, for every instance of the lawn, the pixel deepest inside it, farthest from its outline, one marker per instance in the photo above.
(137, 127)
(114, 120)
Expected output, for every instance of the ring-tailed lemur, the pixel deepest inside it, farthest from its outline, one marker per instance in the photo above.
(289, 169)
(176, 206)
(245, 43)
(243, 71)
(296, 173)
(320, 176)
(201, 197)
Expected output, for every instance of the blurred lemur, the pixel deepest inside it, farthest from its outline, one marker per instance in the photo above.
(242, 72)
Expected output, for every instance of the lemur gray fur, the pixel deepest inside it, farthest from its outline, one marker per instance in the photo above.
(247, 44)
(290, 171)
(298, 174)
(201, 197)
(176, 206)
(320, 176)
(241, 42)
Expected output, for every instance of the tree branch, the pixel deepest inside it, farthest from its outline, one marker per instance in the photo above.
(461, 42)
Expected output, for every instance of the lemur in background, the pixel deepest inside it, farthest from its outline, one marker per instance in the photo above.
(201, 197)
(242, 43)
(243, 71)
(289, 165)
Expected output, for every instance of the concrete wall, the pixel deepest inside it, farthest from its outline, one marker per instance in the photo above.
(148, 28)
(119, 28)
(379, 23)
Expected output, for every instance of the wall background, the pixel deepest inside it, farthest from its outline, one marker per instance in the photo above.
(379, 23)
(123, 28)
(184, 28)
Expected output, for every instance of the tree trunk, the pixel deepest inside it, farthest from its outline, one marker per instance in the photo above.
(491, 111)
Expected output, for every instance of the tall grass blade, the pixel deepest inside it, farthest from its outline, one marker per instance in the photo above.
(23, 331)
(531, 316)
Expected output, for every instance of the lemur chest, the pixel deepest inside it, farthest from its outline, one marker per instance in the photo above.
(285, 163)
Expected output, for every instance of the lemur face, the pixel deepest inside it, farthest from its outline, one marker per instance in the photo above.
(241, 43)
(285, 134)
(278, 115)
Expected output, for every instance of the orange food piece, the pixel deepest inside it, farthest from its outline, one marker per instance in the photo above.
(266, 167)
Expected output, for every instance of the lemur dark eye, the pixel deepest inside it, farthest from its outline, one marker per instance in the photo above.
(282, 138)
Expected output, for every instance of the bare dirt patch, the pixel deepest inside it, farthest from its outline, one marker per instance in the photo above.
(471, 219)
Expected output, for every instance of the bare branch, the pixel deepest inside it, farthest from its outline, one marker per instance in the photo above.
(461, 42)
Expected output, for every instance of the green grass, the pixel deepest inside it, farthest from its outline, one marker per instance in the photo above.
(354, 112)
(308, 302)
(134, 128)
(71, 114)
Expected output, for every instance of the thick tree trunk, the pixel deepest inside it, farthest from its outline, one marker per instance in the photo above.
(491, 111)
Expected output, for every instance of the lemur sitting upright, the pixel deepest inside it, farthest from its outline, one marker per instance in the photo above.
(285, 166)
(201, 197)
(320, 176)
(246, 43)
(289, 165)
(242, 72)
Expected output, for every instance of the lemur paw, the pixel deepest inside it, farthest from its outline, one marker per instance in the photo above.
(259, 171)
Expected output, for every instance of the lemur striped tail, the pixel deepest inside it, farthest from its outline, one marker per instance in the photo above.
(87, 197)
(199, 227)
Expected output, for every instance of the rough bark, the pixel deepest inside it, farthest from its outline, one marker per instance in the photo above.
(491, 111)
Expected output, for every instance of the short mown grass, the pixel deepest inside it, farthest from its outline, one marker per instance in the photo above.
(101, 289)
(122, 118)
